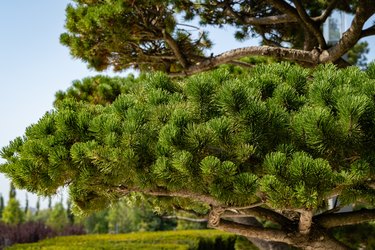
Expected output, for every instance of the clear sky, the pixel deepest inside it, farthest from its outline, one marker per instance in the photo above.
(33, 66)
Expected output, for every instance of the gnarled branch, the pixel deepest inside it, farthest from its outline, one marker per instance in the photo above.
(310, 24)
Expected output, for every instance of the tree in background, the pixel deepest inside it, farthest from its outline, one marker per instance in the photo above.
(58, 218)
(170, 35)
(12, 191)
(1, 205)
(13, 214)
(274, 143)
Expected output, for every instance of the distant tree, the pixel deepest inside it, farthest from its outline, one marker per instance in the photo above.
(26, 204)
(69, 212)
(124, 218)
(37, 206)
(13, 214)
(1, 205)
(49, 202)
(57, 218)
(12, 191)
(357, 54)
(96, 222)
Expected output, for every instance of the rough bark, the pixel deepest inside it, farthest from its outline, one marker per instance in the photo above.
(227, 57)
(311, 232)
(343, 219)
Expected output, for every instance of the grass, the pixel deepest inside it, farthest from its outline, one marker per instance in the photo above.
(177, 240)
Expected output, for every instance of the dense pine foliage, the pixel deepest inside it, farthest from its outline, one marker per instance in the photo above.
(278, 136)
(292, 134)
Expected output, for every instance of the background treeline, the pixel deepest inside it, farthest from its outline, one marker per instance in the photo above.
(31, 223)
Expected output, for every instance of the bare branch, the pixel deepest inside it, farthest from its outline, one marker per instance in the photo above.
(309, 24)
(198, 220)
(343, 219)
(175, 48)
(323, 17)
(226, 57)
(285, 8)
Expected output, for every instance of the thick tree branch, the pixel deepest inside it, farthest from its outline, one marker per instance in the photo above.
(198, 220)
(285, 8)
(368, 32)
(343, 219)
(255, 232)
(270, 20)
(226, 57)
(262, 213)
(364, 11)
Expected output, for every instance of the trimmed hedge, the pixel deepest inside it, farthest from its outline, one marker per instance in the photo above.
(180, 240)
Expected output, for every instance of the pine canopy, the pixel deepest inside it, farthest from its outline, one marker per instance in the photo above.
(282, 136)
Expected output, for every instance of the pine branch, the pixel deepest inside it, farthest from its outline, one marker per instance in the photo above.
(198, 220)
(181, 194)
(175, 48)
(343, 219)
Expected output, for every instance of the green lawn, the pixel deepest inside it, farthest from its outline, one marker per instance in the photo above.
(180, 240)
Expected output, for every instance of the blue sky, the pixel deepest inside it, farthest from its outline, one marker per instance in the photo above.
(33, 66)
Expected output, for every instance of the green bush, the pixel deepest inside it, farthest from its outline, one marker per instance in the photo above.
(180, 240)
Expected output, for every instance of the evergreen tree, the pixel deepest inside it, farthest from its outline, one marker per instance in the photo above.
(37, 206)
(1, 205)
(57, 218)
(12, 191)
(69, 212)
(275, 143)
(13, 214)
(26, 204)
(165, 35)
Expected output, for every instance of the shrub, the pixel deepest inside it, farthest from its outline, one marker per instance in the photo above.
(181, 240)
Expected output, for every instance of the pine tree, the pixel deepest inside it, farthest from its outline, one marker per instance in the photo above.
(275, 142)
(12, 191)
(37, 206)
(13, 214)
(26, 204)
(172, 36)
(57, 218)
(1, 205)
(69, 212)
